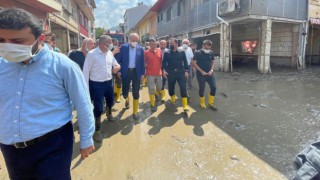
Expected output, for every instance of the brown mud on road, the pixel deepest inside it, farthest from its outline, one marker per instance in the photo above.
(263, 121)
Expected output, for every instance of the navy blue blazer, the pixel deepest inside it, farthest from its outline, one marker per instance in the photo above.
(123, 60)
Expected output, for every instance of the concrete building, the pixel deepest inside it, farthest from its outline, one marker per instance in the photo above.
(132, 16)
(39, 8)
(147, 26)
(73, 23)
(262, 32)
(313, 46)
(69, 20)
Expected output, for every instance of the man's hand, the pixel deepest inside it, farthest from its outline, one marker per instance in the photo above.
(204, 73)
(116, 50)
(85, 152)
(119, 75)
(142, 76)
(165, 74)
(186, 74)
(210, 73)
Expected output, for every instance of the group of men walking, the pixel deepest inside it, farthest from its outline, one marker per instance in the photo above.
(109, 69)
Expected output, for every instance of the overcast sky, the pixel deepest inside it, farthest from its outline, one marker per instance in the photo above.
(109, 13)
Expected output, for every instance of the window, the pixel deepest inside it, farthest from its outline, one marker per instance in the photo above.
(169, 13)
(181, 7)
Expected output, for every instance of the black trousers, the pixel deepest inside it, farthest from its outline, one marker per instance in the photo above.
(202, 83)
(177, 76)
(47, 159)
(131, 78)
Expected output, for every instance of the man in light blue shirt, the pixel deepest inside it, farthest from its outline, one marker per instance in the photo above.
(36, 90)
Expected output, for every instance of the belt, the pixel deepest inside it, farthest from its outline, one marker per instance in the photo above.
(38, 139)
(176, 69)
(131, 69)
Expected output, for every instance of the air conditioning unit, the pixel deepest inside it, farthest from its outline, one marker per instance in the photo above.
(228, 7)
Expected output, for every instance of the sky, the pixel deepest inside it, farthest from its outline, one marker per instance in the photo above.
(109, 13)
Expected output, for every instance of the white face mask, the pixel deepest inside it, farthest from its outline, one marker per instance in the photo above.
(134, 44)
(110, 46)
(206, 51)
(184, 46)
(16, 52)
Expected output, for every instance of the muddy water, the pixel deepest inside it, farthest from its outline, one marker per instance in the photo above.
(262, 122)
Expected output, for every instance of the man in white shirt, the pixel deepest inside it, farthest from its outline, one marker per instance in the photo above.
(97, 69)
(189, 55)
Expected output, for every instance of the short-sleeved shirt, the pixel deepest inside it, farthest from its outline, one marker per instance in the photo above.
(77, 57)
(153, 62)
(204, 60)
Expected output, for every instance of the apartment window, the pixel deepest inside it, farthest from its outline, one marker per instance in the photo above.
(181, 7)
(169, 13)
(161, 17)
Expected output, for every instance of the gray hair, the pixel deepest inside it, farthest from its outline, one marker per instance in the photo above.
(104, 38)
(134, 35)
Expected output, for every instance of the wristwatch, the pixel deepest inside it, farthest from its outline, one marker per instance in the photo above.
(211, 70)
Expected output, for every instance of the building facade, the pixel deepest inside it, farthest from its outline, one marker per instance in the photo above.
(313, 46)
(147, 26)
(132, 16)
(264, 32)
(69, 20)
(39, 8)
(73, 23)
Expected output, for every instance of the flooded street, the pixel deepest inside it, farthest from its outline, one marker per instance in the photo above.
(263, 121)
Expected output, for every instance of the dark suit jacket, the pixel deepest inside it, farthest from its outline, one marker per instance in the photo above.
(123, 60)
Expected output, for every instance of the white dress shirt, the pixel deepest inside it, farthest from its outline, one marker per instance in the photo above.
(188, 52)
(98, 65)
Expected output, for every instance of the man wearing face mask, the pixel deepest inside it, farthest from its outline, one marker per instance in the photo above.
(97, 69)
(36, 90)
(50, 41)
(131, 59)
(189, 55)
(203, 61)
(175, 69)
(79, 55)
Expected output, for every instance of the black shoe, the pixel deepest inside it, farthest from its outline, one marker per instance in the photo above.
(97, 137)
(213, 108)
(112, 118)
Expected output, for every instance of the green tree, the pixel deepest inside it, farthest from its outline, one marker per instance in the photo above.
(99, 31)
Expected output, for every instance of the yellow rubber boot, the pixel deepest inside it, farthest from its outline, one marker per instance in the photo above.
(118, 94)
(202, 103)
(127, 104)
(185, 104)
(173, 99)
(152, 100)
(163, 95)
(211, 103)
(115, 87)
(135, 108)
